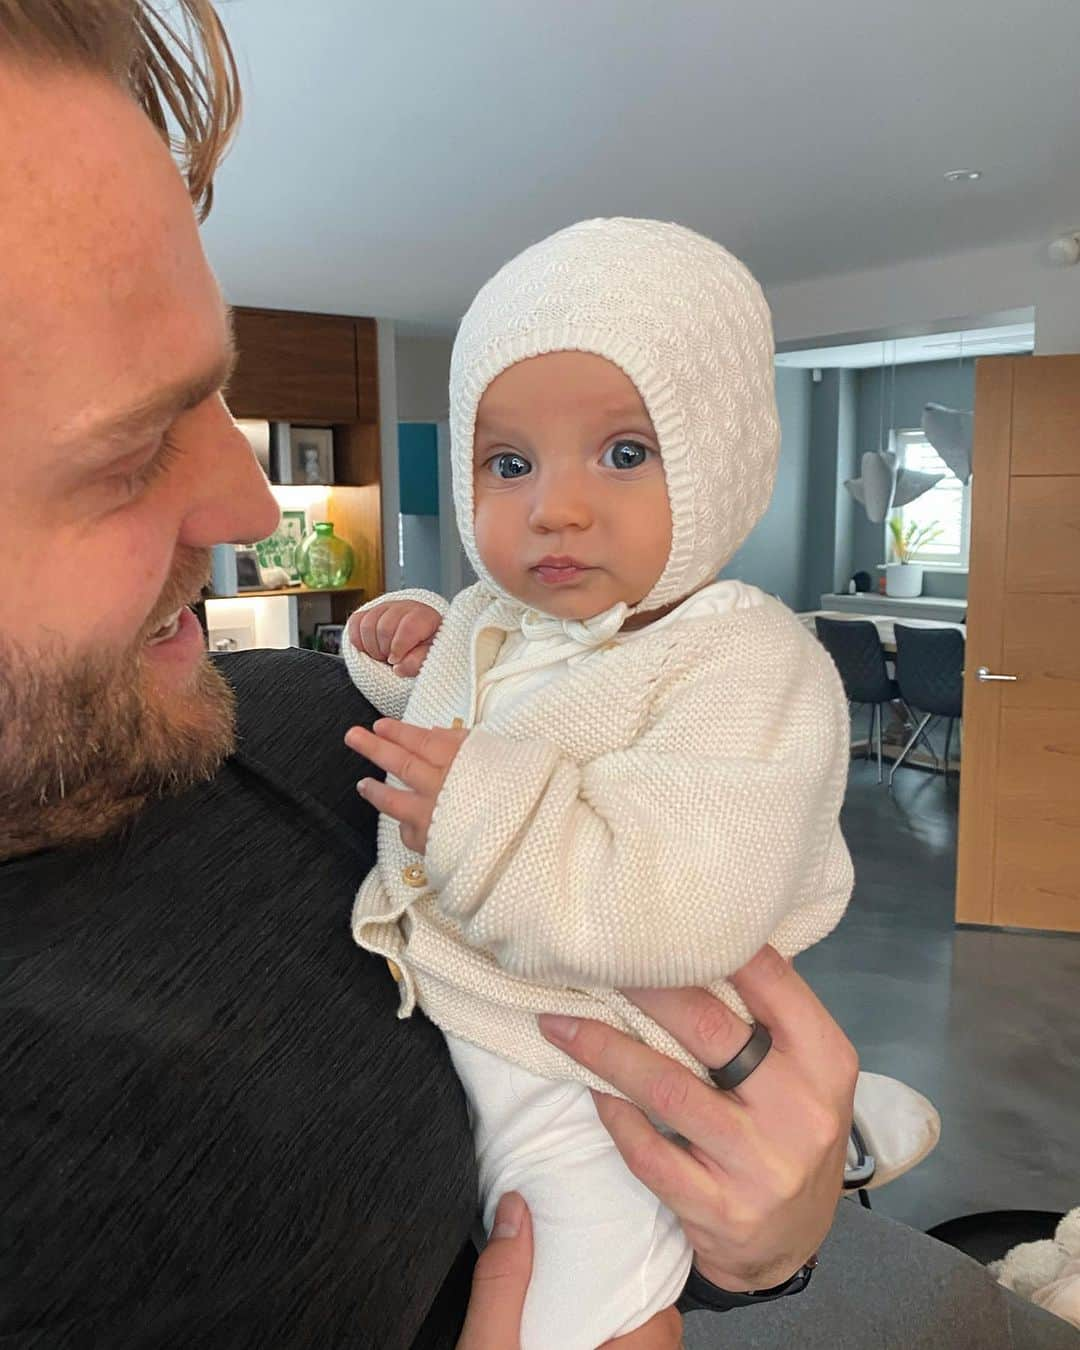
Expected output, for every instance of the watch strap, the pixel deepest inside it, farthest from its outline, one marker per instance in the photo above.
(700, 1294)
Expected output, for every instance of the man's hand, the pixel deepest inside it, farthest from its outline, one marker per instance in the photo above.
(420, 759)
(399, 633)
(757, 1186)
(501, 1281)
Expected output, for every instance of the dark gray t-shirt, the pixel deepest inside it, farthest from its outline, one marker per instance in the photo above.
(215, 1131)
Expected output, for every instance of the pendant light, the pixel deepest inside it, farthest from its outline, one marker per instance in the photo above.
(884, 485)
(950, 432)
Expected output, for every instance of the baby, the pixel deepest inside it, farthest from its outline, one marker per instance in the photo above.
(611, 770)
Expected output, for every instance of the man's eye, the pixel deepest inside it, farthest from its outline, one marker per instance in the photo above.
(134, 484)
(509, 465)
(626, 455)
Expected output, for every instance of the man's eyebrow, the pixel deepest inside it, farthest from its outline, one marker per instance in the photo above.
(160, 408)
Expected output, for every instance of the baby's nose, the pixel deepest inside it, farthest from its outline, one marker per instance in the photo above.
(560, 505)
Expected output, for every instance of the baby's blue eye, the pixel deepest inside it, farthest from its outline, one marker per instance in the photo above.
(626, 455)
(510, 465)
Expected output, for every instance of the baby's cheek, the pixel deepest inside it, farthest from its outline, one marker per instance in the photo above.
(493, 534)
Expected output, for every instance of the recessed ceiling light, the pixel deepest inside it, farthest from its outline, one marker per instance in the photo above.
(963, 175)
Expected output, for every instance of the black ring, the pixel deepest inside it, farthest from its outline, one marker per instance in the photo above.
(738, 1070)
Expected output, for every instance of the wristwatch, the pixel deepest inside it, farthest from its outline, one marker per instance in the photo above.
(700, 1294)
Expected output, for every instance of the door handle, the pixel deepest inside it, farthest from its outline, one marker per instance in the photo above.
(984, 676)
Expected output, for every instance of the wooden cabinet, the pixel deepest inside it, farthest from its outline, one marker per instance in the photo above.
(367, 370)
(295, 367)
(322, 370)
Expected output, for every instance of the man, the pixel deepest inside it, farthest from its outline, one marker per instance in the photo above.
(215, 1132)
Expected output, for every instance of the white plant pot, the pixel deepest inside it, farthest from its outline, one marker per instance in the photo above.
(903, 581)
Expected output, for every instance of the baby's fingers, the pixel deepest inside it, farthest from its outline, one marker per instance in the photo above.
(370, 630)
(416, 625)
(363, 632)
(411, 663)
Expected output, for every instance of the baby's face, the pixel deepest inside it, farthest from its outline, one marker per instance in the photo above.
(571, 505)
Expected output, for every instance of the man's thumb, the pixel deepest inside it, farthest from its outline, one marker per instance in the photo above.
(501, 1280)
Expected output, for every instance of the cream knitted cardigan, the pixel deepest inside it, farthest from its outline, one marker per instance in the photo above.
(649, 819)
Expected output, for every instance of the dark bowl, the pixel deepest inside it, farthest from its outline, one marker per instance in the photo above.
(987, 1237)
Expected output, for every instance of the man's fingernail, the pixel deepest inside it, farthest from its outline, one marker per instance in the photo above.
(508, 1217)
(362, 786)
(557, 1028)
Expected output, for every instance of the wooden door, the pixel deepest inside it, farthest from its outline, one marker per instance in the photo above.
(1019, 850)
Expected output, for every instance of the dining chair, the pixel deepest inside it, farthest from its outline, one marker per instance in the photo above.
(856, 650)
(930, 673)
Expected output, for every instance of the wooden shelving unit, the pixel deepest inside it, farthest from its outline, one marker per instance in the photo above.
(321, 370)
(351, 591)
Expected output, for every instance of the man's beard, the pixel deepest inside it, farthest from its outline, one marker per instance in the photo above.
(87, 738)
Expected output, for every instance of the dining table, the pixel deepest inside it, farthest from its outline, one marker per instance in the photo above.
(884, 623)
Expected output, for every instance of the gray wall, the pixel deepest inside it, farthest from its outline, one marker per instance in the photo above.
(422, 567)
(948, 382)
(423, 378)
(814, 536)
(422, 371)
(773, 555)
(827, 561)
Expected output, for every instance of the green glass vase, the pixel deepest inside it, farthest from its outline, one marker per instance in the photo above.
(325, 560)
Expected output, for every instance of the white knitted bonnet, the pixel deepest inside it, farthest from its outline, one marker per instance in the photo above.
(688, 324)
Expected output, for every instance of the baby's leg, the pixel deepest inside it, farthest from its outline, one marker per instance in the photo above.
(607, 1253)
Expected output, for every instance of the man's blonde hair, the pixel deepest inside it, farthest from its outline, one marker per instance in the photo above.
(182, 75)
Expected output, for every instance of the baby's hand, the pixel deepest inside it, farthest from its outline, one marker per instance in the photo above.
(399, 633)
(421, 759)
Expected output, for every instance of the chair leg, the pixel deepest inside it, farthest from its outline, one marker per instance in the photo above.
(870, 732)
(909, 713)
(879, 718)
(948, 743)
(912, 739)
(927, 742)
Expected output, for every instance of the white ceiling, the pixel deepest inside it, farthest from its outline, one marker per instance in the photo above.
(395, 152)
(1015, 337)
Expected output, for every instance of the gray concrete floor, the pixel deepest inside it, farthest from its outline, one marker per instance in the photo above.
(984, 1023)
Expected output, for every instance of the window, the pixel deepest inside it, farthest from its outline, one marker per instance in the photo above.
(948, 503)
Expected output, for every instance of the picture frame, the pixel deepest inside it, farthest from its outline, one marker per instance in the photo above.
(282, 548)
(311, 455)
(301, 456)
(328, 638)
(248, 572)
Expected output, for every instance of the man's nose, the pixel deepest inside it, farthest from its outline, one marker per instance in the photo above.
(234, 504)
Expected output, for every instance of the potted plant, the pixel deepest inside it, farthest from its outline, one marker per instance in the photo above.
(904, 576)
